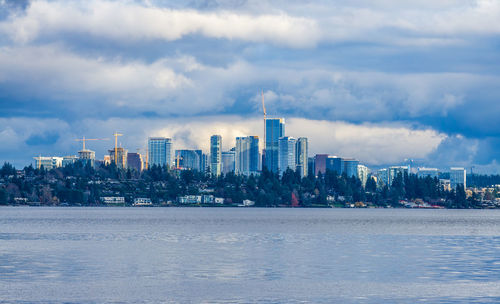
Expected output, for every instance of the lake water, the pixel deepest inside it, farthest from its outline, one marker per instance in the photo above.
(230, 255)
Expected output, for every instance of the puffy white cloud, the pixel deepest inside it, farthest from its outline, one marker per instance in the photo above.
(288, 23)
(132, 21)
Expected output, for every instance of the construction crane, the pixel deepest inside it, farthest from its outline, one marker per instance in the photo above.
(83, 140)
(116, 146)
(265, 117)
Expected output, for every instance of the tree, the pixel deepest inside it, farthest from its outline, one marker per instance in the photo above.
(7, 170)
(371, 185)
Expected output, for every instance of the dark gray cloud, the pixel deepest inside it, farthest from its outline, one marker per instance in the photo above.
(424, 66)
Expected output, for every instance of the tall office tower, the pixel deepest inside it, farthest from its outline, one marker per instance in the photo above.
(458, 176)
(87, 156)
(286, 156)
(228, 161)
(320, 163)
(301, 160)
(310, 166)
(134, 161)
(335, 164)
(188, 159)
(121, 157)
(160, 151)
(215, 155)
(204, 163)
(351, 167)
(275, 129)
(247, 155)
(394, 171)
(363, 174)
(201, 157)
(428, 172)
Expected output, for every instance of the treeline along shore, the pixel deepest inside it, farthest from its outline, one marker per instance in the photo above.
(83, 185)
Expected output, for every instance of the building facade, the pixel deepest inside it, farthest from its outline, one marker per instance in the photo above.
(228, 161)
(351, 167)
(286, 156)
(335, 164)
(275, 129)
(188, 159)
(320, 163)
(69, 160)
(216, 155)
(121, 157)
(428, 172)
(134, 161)
(394, 171)
(363, 174)
(48, 162)
(87, 157)
(301, 159)
(160, 151)
(458, 177)
(382, 178)
(247, 155)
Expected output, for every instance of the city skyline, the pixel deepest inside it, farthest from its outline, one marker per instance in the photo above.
(377, 81)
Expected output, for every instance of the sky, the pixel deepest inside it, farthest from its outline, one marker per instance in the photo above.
(384, 81)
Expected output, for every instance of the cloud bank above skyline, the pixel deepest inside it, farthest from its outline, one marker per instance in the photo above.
(381, 81)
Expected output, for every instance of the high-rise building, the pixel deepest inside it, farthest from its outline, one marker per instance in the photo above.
(87, 156)
(301, 159)
(188, 159)
(458, 176)
(428, 172)
(48, 162)
(134, 161)
(121, 157)
(351, 167)
(286, 159)
(202, 158)
(394, 171)
(275, 129)
(363, 174)
(310, 166)
(335, 164)
(228, 161)
(382, 178)
(160, 151)
(247, 155)
(320, 163)
(216, 155)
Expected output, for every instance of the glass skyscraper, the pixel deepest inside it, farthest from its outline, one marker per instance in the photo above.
(286, 156)
(216, 155)
(351, 167)
(188, 159)
(301, 160)
(160, 151)
(247, 155)
(228, 161)
(335, 164)
(275, 129)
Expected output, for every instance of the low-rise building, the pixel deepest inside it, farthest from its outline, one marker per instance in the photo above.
(113, 200)
(142, 201)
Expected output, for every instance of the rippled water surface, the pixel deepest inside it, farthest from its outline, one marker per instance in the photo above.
(229, 255)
